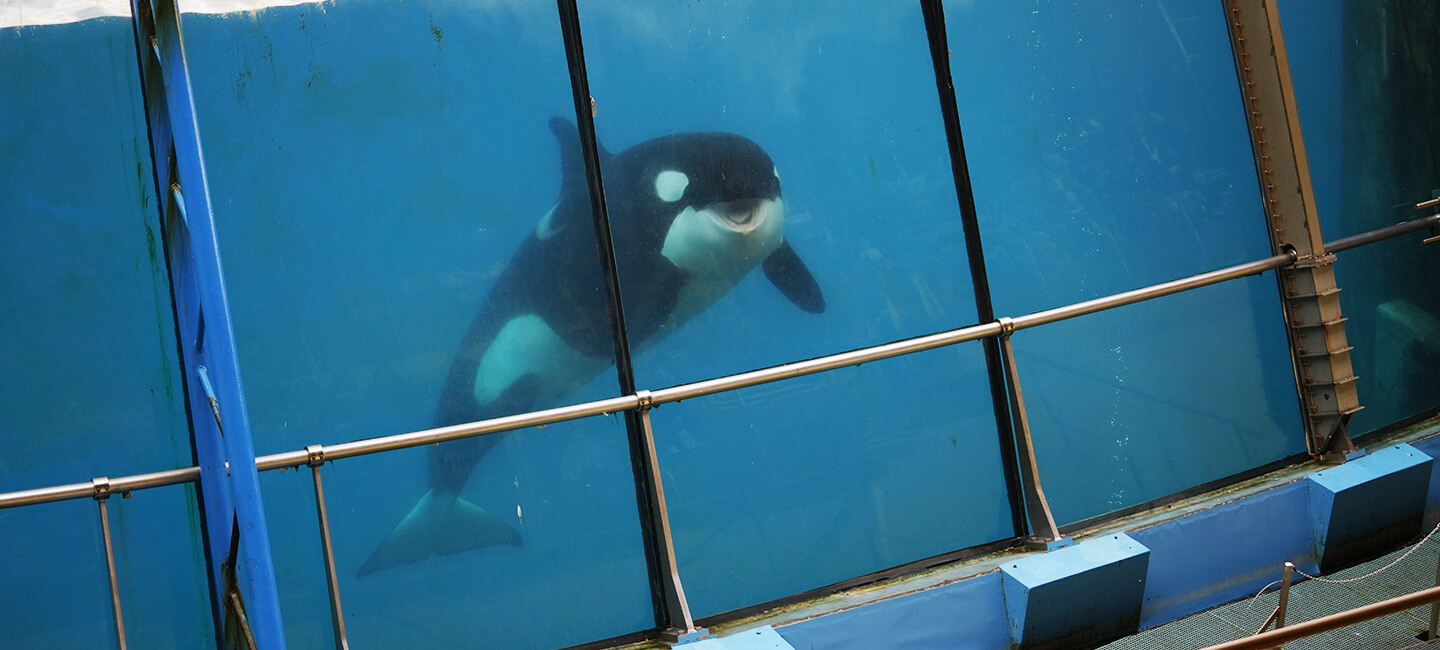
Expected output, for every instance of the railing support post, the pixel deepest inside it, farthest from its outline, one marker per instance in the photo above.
(101, 487)
(1044, 535)
(682, 625)
(337, 617)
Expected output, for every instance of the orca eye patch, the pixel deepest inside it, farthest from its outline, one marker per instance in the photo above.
(670, 185)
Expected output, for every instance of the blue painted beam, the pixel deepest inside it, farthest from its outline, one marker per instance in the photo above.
(245, 599)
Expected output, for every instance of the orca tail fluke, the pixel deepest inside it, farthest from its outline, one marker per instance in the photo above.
(440, 524)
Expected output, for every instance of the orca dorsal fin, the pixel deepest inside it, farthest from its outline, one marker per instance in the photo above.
(790, 275)
(572, 159)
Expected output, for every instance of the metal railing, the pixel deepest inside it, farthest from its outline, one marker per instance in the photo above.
(642, 401)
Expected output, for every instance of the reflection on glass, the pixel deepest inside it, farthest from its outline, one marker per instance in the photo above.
(403, 251)
(783, 488)
(1109, 151)
(90, 384)
(827, 222)
(1364, 75)
(1138, 403)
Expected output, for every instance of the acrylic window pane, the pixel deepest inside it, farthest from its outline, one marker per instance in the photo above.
(1109, 151)
(1365, 83)
(780, 489)
(90, 384)
(566, 489)
(1139, 403)
(836, 197)
(381, 174)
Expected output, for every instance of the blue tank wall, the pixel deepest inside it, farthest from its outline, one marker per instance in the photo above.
(374, 166)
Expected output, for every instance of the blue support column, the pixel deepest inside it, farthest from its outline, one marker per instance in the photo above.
(245, 600)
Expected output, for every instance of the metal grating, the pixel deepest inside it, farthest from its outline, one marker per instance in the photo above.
(1310, 600)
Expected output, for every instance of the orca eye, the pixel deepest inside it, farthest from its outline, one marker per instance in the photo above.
(670, 185)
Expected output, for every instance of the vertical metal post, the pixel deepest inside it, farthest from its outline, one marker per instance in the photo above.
(337, 618)
(672, 614)
(934, 11)
(675, 591)
(1284, 595)
(237, 540)
(1278, 616)
(1319, 350)
(1435, 608)
(101, 487)
(1046, 535)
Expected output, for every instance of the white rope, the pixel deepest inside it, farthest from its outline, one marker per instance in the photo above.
(1378, 571)
(1391, 565)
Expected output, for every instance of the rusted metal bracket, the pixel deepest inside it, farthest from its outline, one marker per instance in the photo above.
(1310, 295)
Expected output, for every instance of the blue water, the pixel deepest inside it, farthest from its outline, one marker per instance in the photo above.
(374, 165)
(90, 384)
(1109, 151)
(1372, 158)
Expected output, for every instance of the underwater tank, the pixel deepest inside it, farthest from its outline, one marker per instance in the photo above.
(405, 208)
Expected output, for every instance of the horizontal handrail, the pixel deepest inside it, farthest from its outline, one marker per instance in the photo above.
(647, 399)
(1274, 638)
(87, 489)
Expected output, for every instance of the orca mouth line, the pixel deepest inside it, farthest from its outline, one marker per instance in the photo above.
(741, 213)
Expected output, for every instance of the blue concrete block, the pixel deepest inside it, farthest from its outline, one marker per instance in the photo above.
(1369, 506)
(760, 638)
(1078, 596)
(1225, 553)
(1431, 447)
(967, 614)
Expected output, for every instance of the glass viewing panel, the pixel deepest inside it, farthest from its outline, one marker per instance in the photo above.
(1109, 151)
(837, 106)
(566, 491)
(91, 385)
(779, 489)
(1135, 404)
(1365, 81)
(382, 214)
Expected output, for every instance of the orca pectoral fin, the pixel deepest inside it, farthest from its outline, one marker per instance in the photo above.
(440, 524)
(789, 274)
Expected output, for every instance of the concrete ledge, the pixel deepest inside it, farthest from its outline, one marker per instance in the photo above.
(1368, 506)
(965, 614)
(1176, 560)
(760, 638)
(1078, 596)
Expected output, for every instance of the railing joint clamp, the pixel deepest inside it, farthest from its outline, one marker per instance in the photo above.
(100, 488)
(315, 455)
(646, 400)
(1007, 325)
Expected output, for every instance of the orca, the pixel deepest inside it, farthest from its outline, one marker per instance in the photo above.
(690, 214)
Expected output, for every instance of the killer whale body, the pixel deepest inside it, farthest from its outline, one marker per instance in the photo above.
(690, 214)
